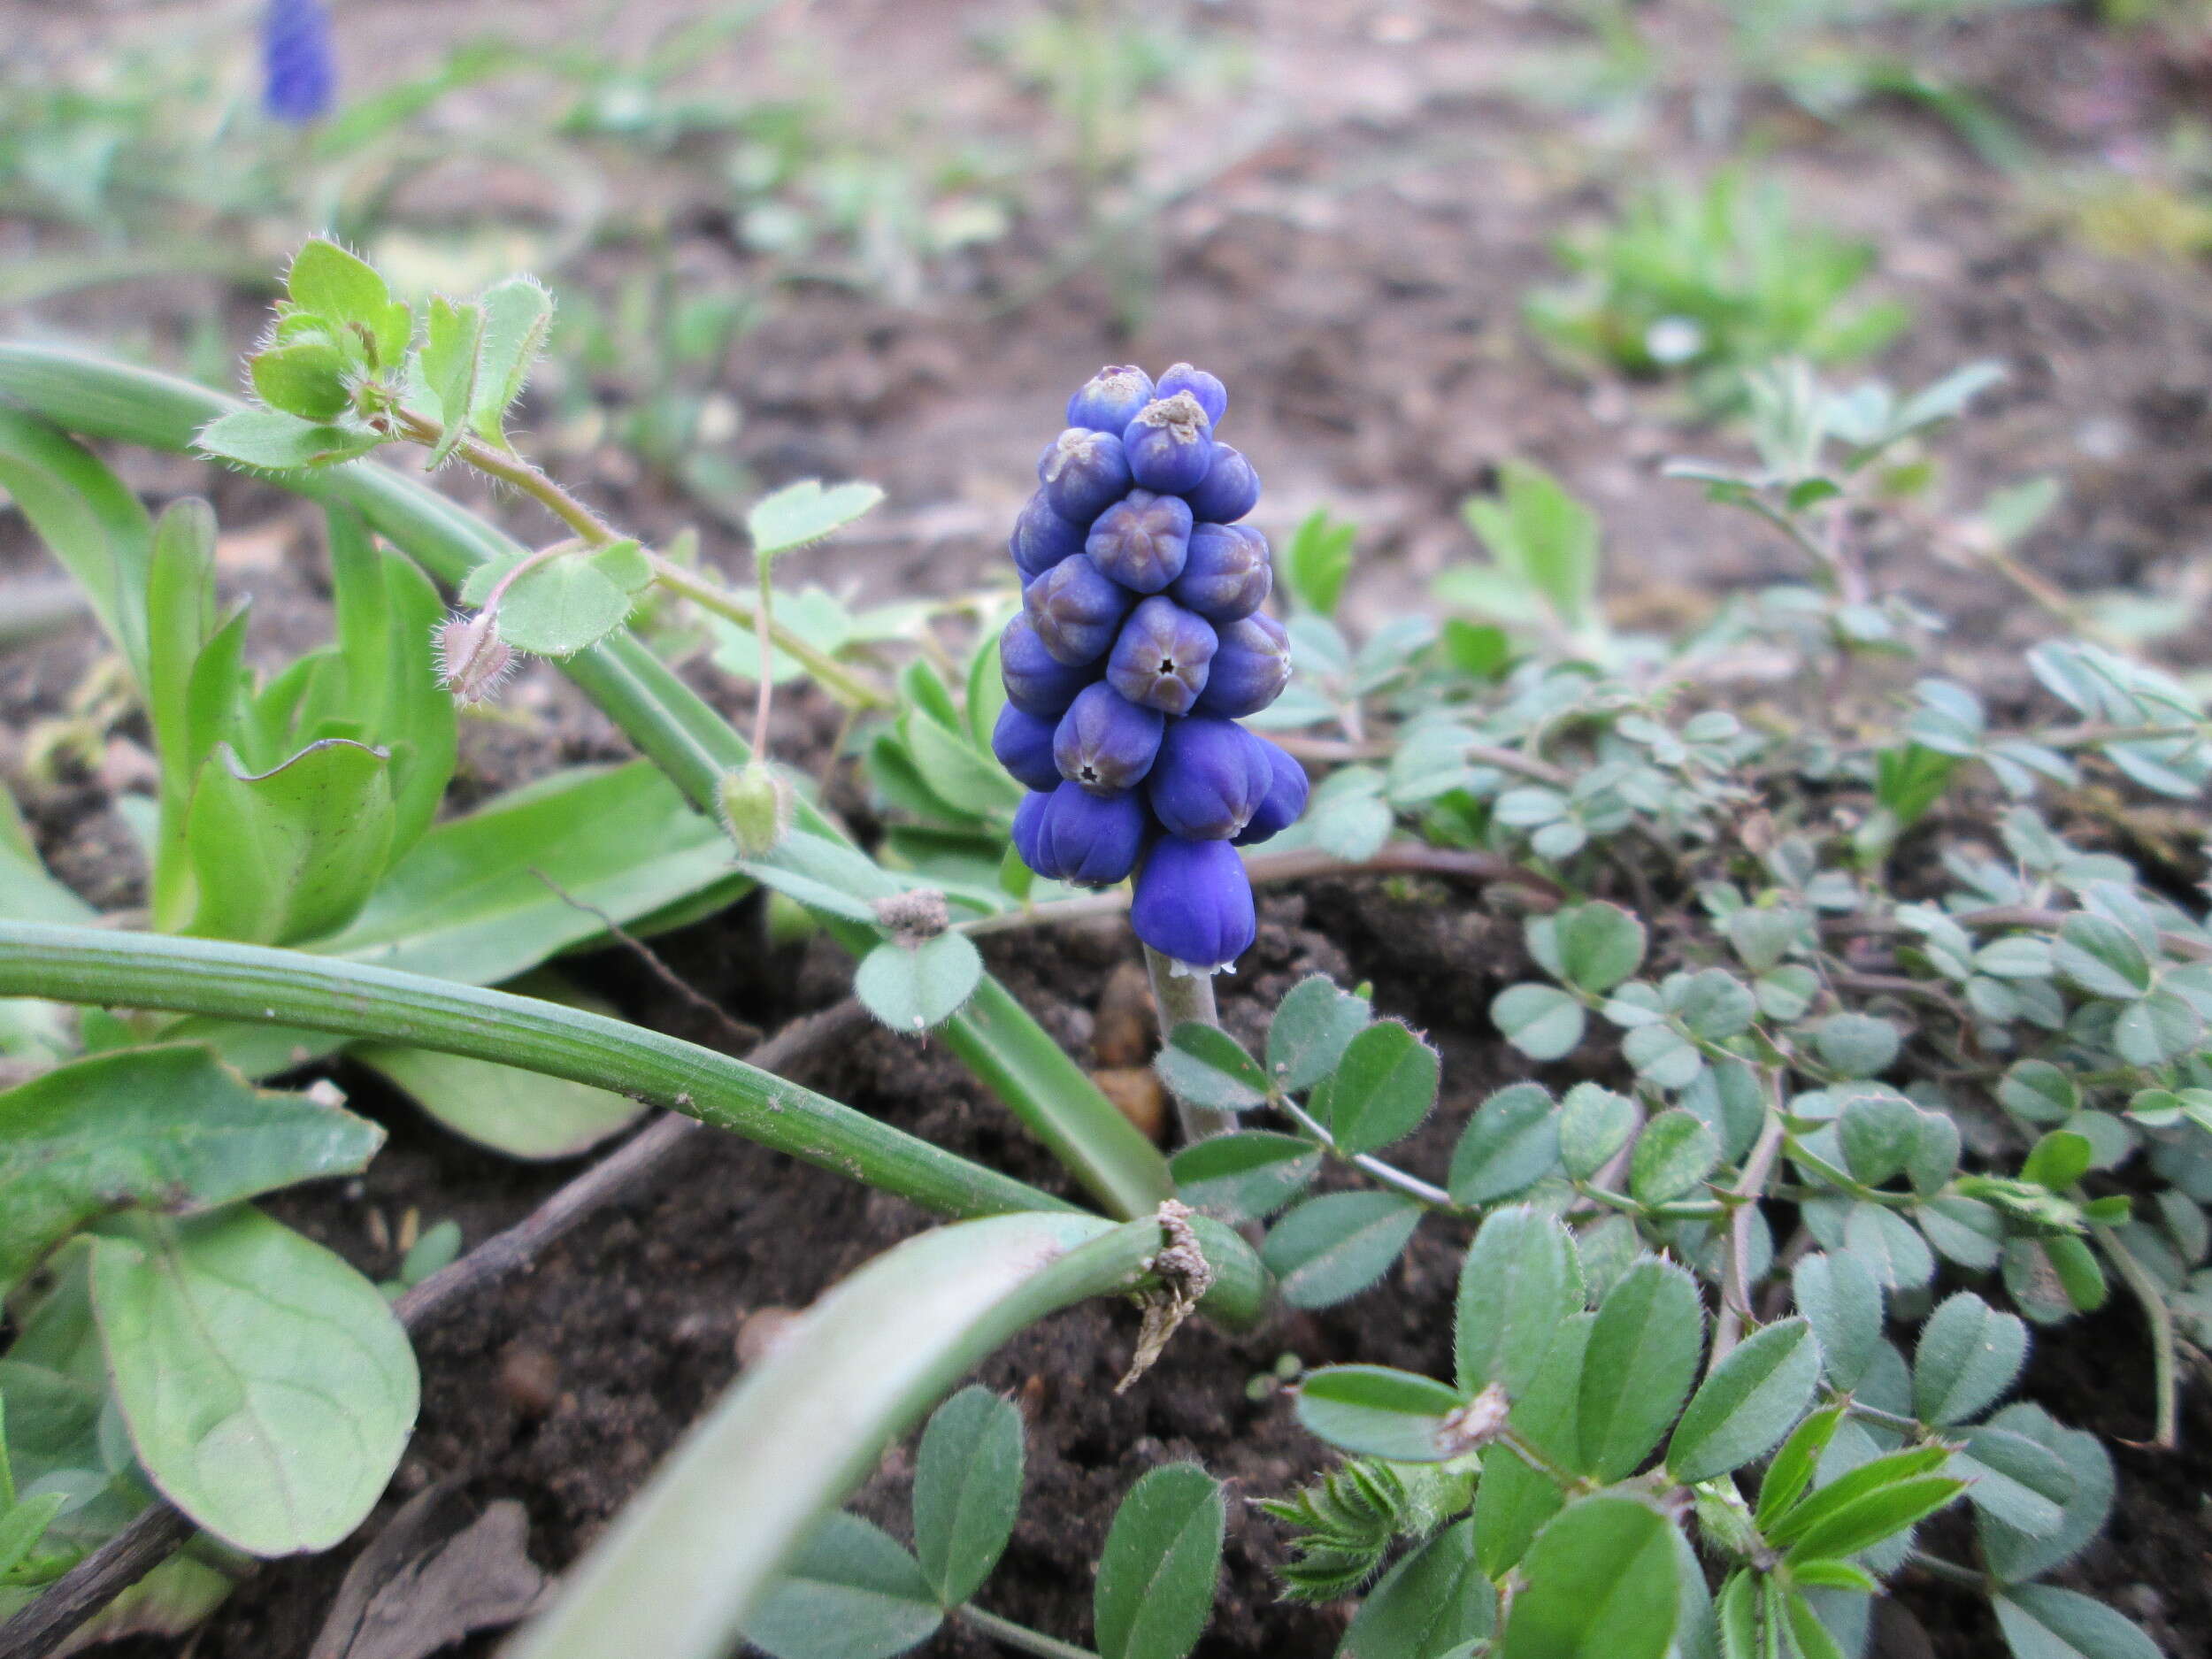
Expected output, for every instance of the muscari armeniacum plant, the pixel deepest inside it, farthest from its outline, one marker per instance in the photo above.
(299, 70)
(1140, 647)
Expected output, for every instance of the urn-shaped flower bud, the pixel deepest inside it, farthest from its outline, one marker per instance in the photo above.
(1037, 682)
(1228, 574)
(1071, 835)
(1210, 778)
(1083, 473)
(1193, 902)
(1043, 538)
(1142, 540)
(1105, 743)
(1250, 669)
(1286, 798)
(1169, 444)
(1023, 743)
(1161, 656)
(1212, 395)
(1230, 490)
(1076, 610)
(1110, 400)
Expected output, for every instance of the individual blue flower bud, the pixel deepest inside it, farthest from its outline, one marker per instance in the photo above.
(1227, 576)
(1161, 656)
(1077, 610)
(1210, 778)
(1037, 682)
(1230, 490)
(1169, 444)
(1212, 395)
(1110, 400)
(1069, 834)
(1250, 667)
(1023, 743)
(299, 74)
(1286, 796)
(1083, 472)
(1043, 538)
(1193, 902)
(1105, 743)
(1141, 541)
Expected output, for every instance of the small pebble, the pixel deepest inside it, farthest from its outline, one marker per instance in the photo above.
(765, 1329)
(1136, 1093)
(1123, 1034)
(530, 1380)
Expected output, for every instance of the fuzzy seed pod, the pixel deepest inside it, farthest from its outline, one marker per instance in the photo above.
(1249, 669)
(1228, 574)
(1072, 835)
(1105, 743)
(1083, 473)
(1043, 538)
(1212, 395)
(1161, 656)
(1285, 800)
(1110, 400)
(1023, 743)
(1036, 681)
(1210, 777)
(755, 806)
(472, 660)
(1169, 444)
(1076, 610)
(1142, 540)
(1230, 490)
(1193, 902)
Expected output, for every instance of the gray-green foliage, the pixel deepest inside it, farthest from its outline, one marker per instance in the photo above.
(1870, 978)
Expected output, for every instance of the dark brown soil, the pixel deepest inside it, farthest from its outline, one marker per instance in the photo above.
(1355, 273)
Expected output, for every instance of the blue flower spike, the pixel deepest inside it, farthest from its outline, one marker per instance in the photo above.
(299, 69)
(1130, 666)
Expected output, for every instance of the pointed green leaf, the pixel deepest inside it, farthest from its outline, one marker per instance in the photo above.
(967, 1486)
(452, 351)
(1432, 1602)
(2017, 1480)
(271, 440)
(1208, 1067)
(1748, 1403)
(1519, 1285)
(518, 316)
(1792, 1467)
(2041, 1621)
(1160, 1565)
(168, 1127)
(1642, 1358)
(1509, 1144)
(1247, 1176)
(851, 1593)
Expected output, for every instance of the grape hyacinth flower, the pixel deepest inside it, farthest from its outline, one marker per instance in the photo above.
(299, 71)
(1140, 644)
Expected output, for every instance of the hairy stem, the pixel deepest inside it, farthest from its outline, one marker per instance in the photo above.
(1389, 1174)
(1735, 1292)
(835, 678)
(1179, 999)
(2161, 1320)
(1019, 1636)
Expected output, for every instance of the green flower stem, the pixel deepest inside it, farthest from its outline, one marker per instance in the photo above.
(2160, 1317)
(1179, 999)
(1019, 1636)
(668, 722)
(291, 987)
(689, 1557)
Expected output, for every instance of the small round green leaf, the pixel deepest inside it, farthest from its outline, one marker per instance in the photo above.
(1843, 1301)
(1674, 1154)
(1509, 1144)
(912, 988)
(1542, 1021)
(967, 1487)
(1878, 1130)
(1312, 1026)
(1887, 1243)
(805, 512)
(1244, 1177)
(1598, 945)
(1594, 1123)
(1162, 1562)
(1857, 1045)
(562, 607)
(1208, 1067)
(1747, 1404)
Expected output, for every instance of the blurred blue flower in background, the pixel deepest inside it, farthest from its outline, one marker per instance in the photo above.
(299, 75)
